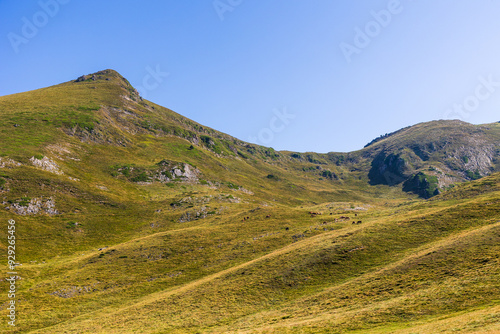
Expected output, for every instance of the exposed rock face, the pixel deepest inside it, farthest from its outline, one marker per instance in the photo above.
(476, 156)
(169, 172)
(164, 172)
(388, 169)
(189, 173)
(193, 215)
(35, 206)
(82, 78)
(46, 164)
(6, 162)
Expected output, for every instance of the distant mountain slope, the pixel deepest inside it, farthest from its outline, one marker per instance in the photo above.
(430, 157)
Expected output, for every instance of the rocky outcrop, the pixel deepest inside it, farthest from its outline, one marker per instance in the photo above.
(33, 206)
(6, 162)
(164, 172)
(388, 169)
(82, 78)
(422, 184)
(46, 164)
(201, 213)
(170, 171)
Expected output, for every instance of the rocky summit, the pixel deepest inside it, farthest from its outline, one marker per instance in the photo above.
(130, 218)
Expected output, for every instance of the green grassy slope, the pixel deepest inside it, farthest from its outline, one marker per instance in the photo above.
(414, 264)
(163, 225)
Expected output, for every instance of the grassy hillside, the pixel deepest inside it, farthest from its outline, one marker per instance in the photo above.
(410, 265)
(441, 152)
(133, 219)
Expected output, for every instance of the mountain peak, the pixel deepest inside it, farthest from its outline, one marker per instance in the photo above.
(111, 77)
(107, 75)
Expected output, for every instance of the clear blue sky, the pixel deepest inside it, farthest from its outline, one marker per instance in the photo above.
(344, 77)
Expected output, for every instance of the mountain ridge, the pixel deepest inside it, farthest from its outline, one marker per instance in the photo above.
(122, 113)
